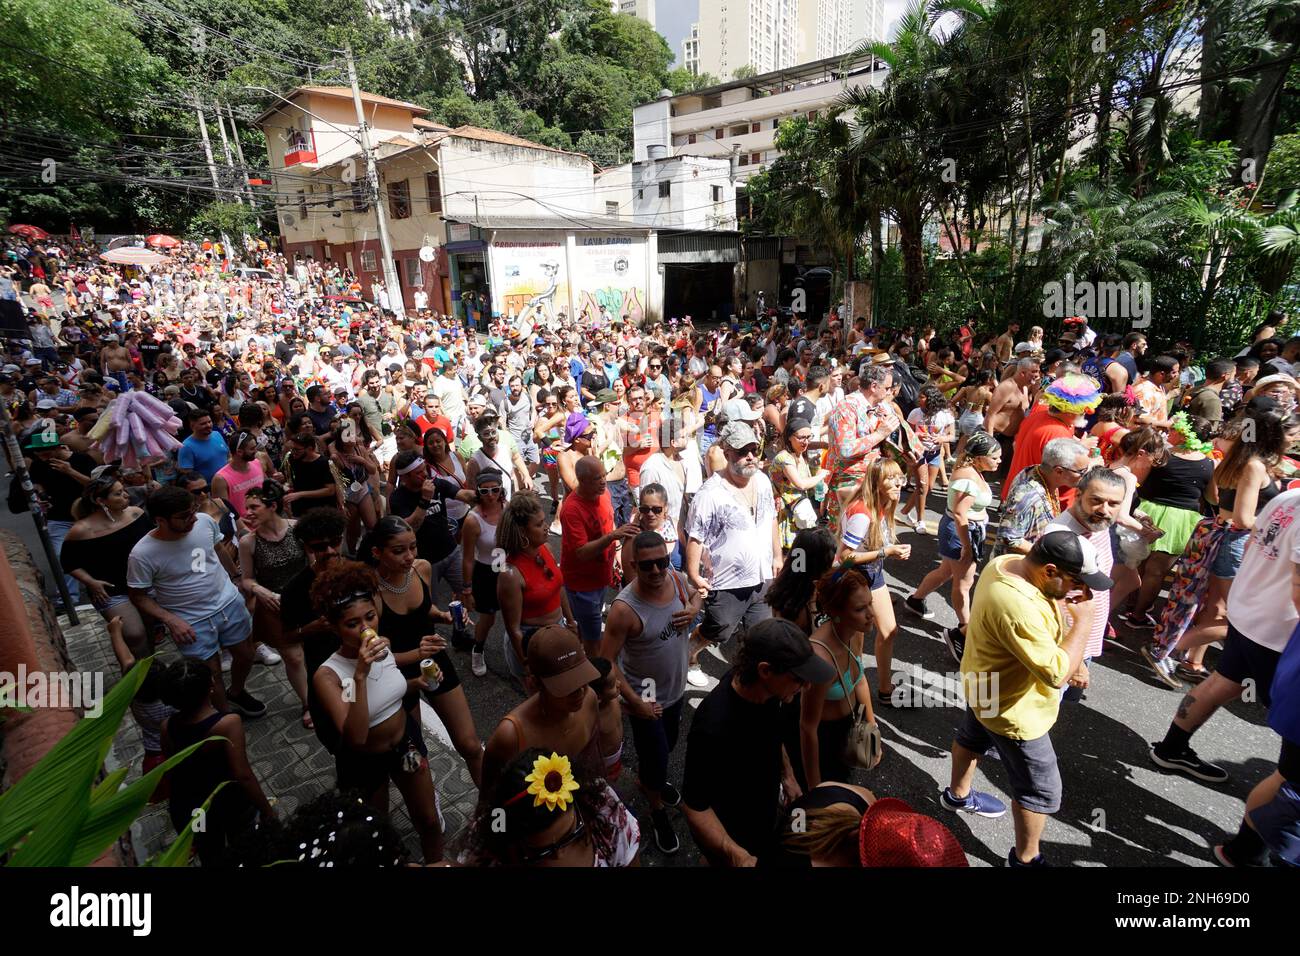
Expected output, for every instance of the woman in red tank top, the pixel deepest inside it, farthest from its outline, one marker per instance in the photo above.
(530, 589)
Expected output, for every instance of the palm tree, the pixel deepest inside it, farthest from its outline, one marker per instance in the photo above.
(1102, 234)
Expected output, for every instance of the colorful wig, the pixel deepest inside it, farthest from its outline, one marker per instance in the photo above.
(1073, 393)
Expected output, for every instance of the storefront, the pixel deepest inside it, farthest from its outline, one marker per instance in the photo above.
(470, 278)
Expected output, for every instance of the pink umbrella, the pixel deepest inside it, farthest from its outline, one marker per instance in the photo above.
(133, 257)
(159, 241)
(33, 233)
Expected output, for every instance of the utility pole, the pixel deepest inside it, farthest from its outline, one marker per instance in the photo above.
(239, 152)
(391, 282)
(212, 166)
(225, 146)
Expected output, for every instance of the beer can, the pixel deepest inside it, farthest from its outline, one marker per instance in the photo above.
(458, 621)
(432, 672)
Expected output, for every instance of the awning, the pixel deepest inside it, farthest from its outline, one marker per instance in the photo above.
(130, 256)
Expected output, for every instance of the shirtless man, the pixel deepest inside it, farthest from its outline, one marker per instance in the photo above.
(117, 360)
(1005, 342)
(1011, 401)
(78, 437)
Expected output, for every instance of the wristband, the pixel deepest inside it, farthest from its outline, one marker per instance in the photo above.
(426, 505)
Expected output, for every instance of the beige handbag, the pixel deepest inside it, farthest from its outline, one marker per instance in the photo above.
(864, 746)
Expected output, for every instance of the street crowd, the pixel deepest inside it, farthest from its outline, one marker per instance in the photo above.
(243, 462)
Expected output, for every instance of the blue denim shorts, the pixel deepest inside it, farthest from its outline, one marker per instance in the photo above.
(950, 542)
(1228, 558)
(230, 626)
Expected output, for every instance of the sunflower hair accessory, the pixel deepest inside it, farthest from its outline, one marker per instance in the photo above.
(551, 783)
(1183, 425)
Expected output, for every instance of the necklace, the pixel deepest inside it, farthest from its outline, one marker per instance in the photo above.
(392, 589)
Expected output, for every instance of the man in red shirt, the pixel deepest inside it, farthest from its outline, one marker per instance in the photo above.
(434, 418)
(1064, 402)
(589, 547)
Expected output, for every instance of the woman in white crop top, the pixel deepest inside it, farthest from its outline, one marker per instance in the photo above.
(374, 709)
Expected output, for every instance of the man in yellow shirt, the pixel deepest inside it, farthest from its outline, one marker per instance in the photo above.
(1017, 658)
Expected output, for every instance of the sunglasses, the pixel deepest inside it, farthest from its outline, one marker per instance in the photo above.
(654, 564)
(651, 509)
(588, 436)
(546, 568)
(747, 451)
(492, 490)
(656, 366)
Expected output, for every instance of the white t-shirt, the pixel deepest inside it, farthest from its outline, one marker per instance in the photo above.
(1264, 612)
(739, 541)
(185, 576)
(452, 395)
(927, 428)
(1100, 540)
(657, 469)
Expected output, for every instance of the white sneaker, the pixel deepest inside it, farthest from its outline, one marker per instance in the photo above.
(697, 678)
(226, 662)
(921, 527)
(264, 655)
(477, 664)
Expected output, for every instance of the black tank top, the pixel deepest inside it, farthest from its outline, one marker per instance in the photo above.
(195, 777)
(405, 630)
(1178, 483)
(1228, 496)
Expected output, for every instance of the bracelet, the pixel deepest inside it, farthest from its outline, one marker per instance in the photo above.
(426, 504)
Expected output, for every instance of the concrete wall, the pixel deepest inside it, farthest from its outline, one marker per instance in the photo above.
(690, 203)
(498, 174)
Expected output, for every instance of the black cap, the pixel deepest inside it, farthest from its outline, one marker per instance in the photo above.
(787, 649)
(1072, 554)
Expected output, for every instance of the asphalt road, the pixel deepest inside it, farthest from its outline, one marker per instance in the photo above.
(1118, 809)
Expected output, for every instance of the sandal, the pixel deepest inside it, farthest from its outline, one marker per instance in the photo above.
(307, 722)
(1192, 674)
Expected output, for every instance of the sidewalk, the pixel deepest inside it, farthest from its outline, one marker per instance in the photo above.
(289, 761)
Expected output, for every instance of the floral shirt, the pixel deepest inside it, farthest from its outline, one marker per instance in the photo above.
(1029, 509)
(1152, 398)
(853, 442)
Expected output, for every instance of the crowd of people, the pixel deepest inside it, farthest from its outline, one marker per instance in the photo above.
(362, 498)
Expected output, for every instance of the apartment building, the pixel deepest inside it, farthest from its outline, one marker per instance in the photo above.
(641, 9)
(739, 119)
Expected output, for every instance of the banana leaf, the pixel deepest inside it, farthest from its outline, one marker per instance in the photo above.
(178, 854)
(61, 783)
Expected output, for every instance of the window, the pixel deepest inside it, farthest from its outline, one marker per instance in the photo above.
(719, 133)
(433, 191)
(399, 199)
(744, 159)
(302, 206)
(755, 127)
(717, 194)
(739, 130)
(691, 139)
(640, 194)
(812, 114)
(329, 191)
(611, 209)
(665, 189)
(368, 260)
(755, 158)
(414, 274)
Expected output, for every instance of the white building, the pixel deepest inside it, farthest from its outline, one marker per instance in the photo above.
(822, 29)
(866, 21)
(691, 50)
(684, 192)
(736, 33)
(740, 118)
(642, 9)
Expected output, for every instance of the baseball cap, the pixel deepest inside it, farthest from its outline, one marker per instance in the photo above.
(737, 435)
(32, 361)
(1025, 348)
(1074, 555)
(739, 410)
(45, 404)
(556, 658)
(10, 369)
(893, 834)
(787, 649)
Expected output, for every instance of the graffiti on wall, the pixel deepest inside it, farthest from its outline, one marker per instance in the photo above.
(617, 302)
(610, 271)
(530, 279)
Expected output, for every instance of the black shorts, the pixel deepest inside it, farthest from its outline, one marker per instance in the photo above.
(367, 772)
(484, 589)
(450, 679)
(724, 611)
(1242, 660)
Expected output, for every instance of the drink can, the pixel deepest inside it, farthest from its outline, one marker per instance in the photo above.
(432, 672)
(458, 621)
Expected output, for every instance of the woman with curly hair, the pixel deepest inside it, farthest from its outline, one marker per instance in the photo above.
(1114, 419)
(529, 586)
(933, 425)
(542, 813)
(867, 539)
(826, 709)
(370, 703)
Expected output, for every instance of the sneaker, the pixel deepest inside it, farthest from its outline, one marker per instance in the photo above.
(670, 795)
(1014, 861)
(917, 607)
(264, 655)
(246, 704)
(921, 527)
(1221, 856)
(956, 641)
(665, 836)
(1140, 620)
(226, 662)
(1187, 762)
(906, 519)
(697, 678)
(477, 665)
(1193, 675)
(1164, 667)
(980, 804)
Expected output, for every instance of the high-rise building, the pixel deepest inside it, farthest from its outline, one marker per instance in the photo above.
(866, 21)
(642, 9)
(759, 34)
(691, 50)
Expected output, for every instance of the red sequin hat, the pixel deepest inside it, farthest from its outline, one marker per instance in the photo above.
(893, 834)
